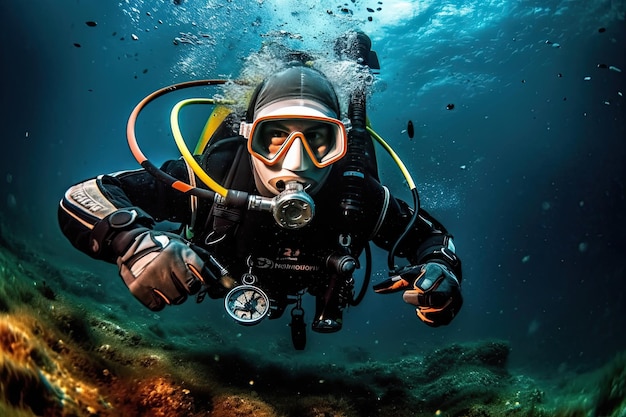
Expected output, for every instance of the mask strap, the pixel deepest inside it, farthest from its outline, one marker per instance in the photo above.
(244, 129)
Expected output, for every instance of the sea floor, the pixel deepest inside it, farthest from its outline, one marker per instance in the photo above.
(58, 357)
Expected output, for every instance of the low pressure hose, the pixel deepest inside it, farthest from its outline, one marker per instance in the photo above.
(143, 160)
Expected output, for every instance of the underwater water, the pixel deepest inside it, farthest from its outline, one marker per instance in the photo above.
(519, 149)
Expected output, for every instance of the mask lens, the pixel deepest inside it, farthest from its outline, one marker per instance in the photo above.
(323, 139)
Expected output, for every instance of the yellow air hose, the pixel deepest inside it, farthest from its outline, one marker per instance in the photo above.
(394, 155)
(184, 151)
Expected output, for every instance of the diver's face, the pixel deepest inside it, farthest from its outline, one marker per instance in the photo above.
(295, 149)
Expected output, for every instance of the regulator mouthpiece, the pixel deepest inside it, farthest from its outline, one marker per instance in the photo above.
(293, 208)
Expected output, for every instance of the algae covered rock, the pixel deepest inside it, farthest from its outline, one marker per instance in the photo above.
(484, 354)
(457, 376)
(612, 388)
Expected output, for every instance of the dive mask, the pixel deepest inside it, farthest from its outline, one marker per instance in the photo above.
(270, 138)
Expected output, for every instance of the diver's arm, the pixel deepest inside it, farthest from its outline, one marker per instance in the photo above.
(427, 241)
(432, 280)
(112, 218)
(86, 204)
(435, 246)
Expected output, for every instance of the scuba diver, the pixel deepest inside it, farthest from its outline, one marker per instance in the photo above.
(277, 203)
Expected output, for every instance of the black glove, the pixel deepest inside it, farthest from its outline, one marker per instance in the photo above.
(160, 269)
(431, 287)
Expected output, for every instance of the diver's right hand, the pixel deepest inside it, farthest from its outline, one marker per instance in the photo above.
(159, 268)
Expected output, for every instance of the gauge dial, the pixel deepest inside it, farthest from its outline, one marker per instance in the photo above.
(247, 304)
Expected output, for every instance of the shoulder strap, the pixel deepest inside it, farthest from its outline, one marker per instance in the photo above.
(228, 160)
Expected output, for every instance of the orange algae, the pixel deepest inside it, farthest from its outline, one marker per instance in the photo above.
(40, 374)
(241, 406)
(34, 378)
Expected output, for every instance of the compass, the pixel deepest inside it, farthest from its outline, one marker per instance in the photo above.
(247, 304)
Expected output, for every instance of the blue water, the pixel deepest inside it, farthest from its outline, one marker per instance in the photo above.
(527, 170)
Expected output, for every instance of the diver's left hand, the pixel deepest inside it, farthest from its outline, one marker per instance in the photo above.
(432, 288)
